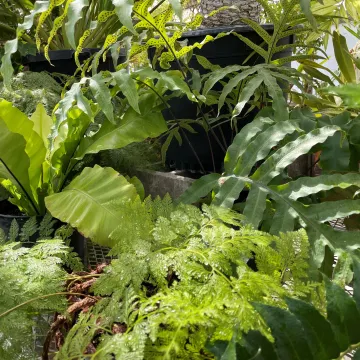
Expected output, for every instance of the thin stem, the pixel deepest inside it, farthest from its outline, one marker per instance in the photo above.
(7, 312)
(178, 124)
(22, 188)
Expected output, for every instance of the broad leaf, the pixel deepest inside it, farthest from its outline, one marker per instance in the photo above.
(318, 330)
(15, 168)
(343, 315)
(42, 123)
(19, 123)
(290, 337)
(123, 9)
(133, 127)
(88, 203)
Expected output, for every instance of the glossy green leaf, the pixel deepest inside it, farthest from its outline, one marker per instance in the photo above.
(343, 315)
(15, 168)
(133, 127)
(290, 338)
(87, 203)
(18, 122)
(319, 334)
(335, 154)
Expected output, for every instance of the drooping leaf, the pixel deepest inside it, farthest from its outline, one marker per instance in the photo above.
(102, 95)
(123, 9)
(74, 15)
(87, 203)
(133, 127)
(128, 87)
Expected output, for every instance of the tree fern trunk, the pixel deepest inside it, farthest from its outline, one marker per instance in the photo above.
(248, 8)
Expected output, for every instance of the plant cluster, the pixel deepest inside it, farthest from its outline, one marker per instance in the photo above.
(248, 274)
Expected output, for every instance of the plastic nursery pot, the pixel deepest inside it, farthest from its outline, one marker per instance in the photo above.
(77, 241)
(63, 61)
(228, 50)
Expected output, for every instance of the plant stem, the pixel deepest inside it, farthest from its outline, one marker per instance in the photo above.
(7, 312)
(21, 186)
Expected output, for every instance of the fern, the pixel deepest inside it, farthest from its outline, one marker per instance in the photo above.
(255, 143)
(26, 274)
(308, 335)
(180, 279)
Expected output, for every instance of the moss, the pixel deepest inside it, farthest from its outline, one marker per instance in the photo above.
(29, 89)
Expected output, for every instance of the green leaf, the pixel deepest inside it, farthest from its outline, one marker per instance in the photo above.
(290, 338)
(343, 57)
(356, 269)
(258, 28)
(123, 9)
(229, 192)
(349, 93)
(335, 154)
(343, 315)
(279, 104)
(233, 83)
(291, 151)
(15, 168)
(241, 141)
(42, 123)
(247, 92)
(73, 16)
(199, 188)
(263, 53)
(219, 74)
(87, 203)
(133, 127)
(306, 8)
(128, 87)
(102, 95)
(318, 330)
(18, 122)
(138, 186)
(177, 7)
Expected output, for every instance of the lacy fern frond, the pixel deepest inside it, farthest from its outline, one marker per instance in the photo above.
(182, 279)
(26, 274)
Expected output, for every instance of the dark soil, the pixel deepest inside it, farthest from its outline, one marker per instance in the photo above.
(6, 208)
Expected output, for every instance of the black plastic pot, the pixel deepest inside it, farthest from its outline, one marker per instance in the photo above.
(228, 50)
(63, 61)
(77, 241)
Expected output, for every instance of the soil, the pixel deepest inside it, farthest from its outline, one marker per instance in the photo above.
(6, 208)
